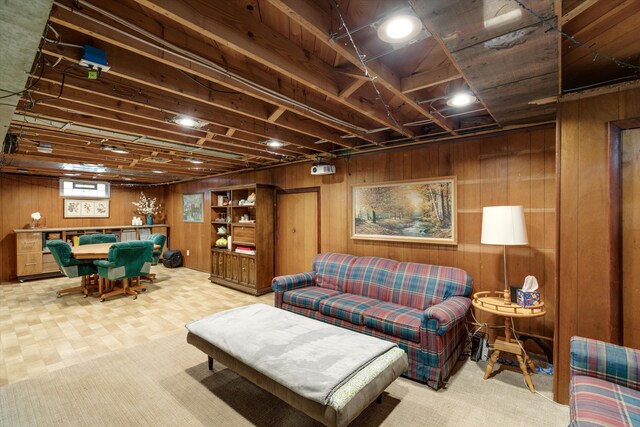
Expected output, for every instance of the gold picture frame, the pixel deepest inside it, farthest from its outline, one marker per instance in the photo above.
(420, 211)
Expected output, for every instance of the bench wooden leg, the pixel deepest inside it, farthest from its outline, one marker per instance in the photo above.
(210, 360)
(379, 399)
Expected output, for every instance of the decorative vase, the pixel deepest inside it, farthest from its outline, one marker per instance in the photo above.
(149, 219)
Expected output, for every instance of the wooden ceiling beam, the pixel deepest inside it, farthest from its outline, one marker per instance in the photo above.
(143, 72)
(586, 4)
(427, 79)
(114, 124)
(351, 88)
(136, 149)
(316, 21)
(56, 136)
(223, 23)
(105, 94)
(238, 103)
(144, 113)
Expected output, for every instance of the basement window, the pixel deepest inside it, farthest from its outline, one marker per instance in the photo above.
(93, 189)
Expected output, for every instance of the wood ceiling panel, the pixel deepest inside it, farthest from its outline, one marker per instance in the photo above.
(254, 70)
(500, 62)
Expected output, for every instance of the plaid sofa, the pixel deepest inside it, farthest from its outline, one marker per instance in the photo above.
(605, 384)
(418, 306)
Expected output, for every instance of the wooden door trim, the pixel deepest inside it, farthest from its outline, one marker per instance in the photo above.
(316, 190)
(614, 134)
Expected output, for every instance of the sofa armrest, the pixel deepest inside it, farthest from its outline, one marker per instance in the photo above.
(609, 362)
(292, 281)
(447, 313)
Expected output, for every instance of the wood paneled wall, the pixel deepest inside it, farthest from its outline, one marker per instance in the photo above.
(22, 195)
(585, 299)
(516, 168)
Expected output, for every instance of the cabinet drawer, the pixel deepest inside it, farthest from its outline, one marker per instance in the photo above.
(29, 242)
(29, 263)
(244, 234)
(49, 264)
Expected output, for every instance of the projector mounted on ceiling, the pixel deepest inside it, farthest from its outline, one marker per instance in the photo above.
(323, 169)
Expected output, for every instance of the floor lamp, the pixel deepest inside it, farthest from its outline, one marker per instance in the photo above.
(504, 225)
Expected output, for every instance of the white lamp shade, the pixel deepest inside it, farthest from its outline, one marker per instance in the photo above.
(503, 225)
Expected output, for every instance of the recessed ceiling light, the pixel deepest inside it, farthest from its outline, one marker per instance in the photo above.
(461, 99)
(127, 179)
(194, 160)
(274, 143)
(399, 28)
(157, 171)
(44, 148)
(119, 150)
(186, 121)
(71, 174)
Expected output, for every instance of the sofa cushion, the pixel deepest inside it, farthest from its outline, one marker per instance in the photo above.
(347, 307)
(371, 277)
(393, 319)
(332, 270)
(599, 402)
(308, 297)
(421, 285)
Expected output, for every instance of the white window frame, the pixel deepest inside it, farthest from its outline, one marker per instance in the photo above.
(78, 184)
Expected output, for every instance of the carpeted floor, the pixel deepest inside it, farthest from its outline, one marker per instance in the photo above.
(166, 382)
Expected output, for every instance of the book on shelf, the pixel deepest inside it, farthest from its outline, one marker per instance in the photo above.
(245, 250)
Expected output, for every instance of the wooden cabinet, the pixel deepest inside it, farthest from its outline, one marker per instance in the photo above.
(34, 260)
(243, 215)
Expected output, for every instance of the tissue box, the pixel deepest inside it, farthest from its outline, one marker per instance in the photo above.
(527, 299)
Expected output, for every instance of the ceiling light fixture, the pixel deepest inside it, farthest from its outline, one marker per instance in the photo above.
(157, 172)
(71, 174)
(119, 150)
(461, 99)
(186, 121)
(194, 160)
(458, 95)
(44, 148)
(399, 28)
(274, 143)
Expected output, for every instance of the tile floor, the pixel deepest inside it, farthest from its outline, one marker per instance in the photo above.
(40, 333)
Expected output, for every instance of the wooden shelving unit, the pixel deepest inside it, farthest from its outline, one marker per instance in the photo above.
(35, 261)
(248, 225)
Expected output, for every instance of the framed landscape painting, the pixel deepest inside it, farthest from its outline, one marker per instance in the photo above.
(192, 207)
(423, 211)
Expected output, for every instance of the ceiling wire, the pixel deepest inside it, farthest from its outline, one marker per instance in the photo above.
(361, 58)
(594, 52)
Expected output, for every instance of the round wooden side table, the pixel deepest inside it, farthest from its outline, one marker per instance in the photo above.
(494, 303)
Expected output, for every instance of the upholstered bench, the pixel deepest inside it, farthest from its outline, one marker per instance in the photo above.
(327, 372)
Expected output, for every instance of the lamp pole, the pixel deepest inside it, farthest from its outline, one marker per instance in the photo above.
(507, 293)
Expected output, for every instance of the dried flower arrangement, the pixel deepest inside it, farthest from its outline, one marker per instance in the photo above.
(147, 205)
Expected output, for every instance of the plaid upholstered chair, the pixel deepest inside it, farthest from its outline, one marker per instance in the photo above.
(605, 384)
(126, 262)
(89, 239)
(71, 267)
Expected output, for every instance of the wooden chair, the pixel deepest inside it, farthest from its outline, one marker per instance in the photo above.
(71, 267)
(126, 262)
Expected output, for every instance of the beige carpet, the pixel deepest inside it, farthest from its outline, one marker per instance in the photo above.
(166, 382)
